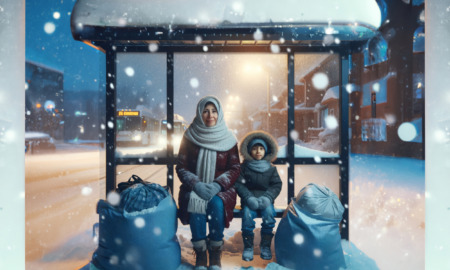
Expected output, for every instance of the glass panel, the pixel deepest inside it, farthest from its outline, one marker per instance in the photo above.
(419, 40)
(281, 201)
(151, 173)
(327, 175)
(317, 106)
(251, 87)
(141, 105)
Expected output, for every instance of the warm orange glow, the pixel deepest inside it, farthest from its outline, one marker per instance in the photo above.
(38, 105)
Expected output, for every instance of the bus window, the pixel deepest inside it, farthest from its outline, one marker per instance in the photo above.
(141, 104)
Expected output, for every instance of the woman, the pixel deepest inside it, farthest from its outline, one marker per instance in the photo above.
(208, 166)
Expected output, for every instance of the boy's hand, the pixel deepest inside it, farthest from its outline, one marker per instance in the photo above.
(263, 202)
(252, 203)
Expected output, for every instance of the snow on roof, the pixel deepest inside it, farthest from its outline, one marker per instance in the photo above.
(331, 93)
(211, 13)
(307, 64)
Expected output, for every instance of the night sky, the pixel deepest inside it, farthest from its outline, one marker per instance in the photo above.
(49, 42)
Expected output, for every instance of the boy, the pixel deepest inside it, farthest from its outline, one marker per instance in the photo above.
(258, 186)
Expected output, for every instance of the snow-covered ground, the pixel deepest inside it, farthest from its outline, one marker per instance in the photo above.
(386, 205)
(387, 219)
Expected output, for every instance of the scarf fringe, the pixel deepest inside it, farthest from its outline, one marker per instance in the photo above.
(196, 204)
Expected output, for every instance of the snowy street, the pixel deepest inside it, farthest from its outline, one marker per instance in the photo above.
(62, 189)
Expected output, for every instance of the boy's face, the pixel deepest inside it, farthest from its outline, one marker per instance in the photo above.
(257, 152)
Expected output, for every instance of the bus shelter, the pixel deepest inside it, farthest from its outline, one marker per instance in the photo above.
(278, 67)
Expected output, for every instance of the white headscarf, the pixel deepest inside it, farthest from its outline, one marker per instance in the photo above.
(210, 140)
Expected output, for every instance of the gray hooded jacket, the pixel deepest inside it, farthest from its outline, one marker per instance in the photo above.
(256, 183)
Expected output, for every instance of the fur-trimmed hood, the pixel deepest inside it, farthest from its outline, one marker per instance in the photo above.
(272, 145)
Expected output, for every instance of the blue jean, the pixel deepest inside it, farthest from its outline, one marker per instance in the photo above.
(215, 216)
(248, 220)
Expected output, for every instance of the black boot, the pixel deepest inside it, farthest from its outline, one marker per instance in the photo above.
(201, 258)
(266, 241)
(215, 253)
(247, 255)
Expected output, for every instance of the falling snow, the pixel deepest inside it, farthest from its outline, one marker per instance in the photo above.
(49, 28)
(320, 81)
(153, 47)
(113, 198)
(56, 15)
(407, 132)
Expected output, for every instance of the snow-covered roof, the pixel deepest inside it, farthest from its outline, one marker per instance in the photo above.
(331, 93)
(350, 19)
(216, 12)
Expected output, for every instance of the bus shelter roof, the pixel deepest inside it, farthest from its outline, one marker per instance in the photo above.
(226, 22)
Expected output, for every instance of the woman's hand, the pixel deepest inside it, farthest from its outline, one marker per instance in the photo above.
(215, 188)
(202, 190)
(252, 203)
(206, 191)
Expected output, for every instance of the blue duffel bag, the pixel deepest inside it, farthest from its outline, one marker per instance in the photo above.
(308, 235)
(139, 233)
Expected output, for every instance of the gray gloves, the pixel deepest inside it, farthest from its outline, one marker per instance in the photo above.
(207, 191)
(202, 190)
(252, 203)
(263, 202)
(258, 203)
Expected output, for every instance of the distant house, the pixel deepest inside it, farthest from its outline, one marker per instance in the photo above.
(44, 99)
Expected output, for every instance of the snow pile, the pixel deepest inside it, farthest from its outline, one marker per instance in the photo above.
(390, 227)
(387, 217)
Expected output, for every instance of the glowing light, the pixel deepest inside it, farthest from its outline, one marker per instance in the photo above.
(376, 87)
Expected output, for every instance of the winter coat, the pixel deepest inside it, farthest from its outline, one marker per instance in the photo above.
(253, 183)
(227, 172)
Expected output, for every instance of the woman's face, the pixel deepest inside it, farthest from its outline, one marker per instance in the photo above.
(209, 115)
(257, 152)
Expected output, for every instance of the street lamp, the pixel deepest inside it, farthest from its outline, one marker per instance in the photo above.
(258, 68)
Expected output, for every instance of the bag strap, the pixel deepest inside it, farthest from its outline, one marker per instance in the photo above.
(134, 179)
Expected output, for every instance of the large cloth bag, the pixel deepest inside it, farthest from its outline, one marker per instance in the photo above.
(308, 235)
(140, 233)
